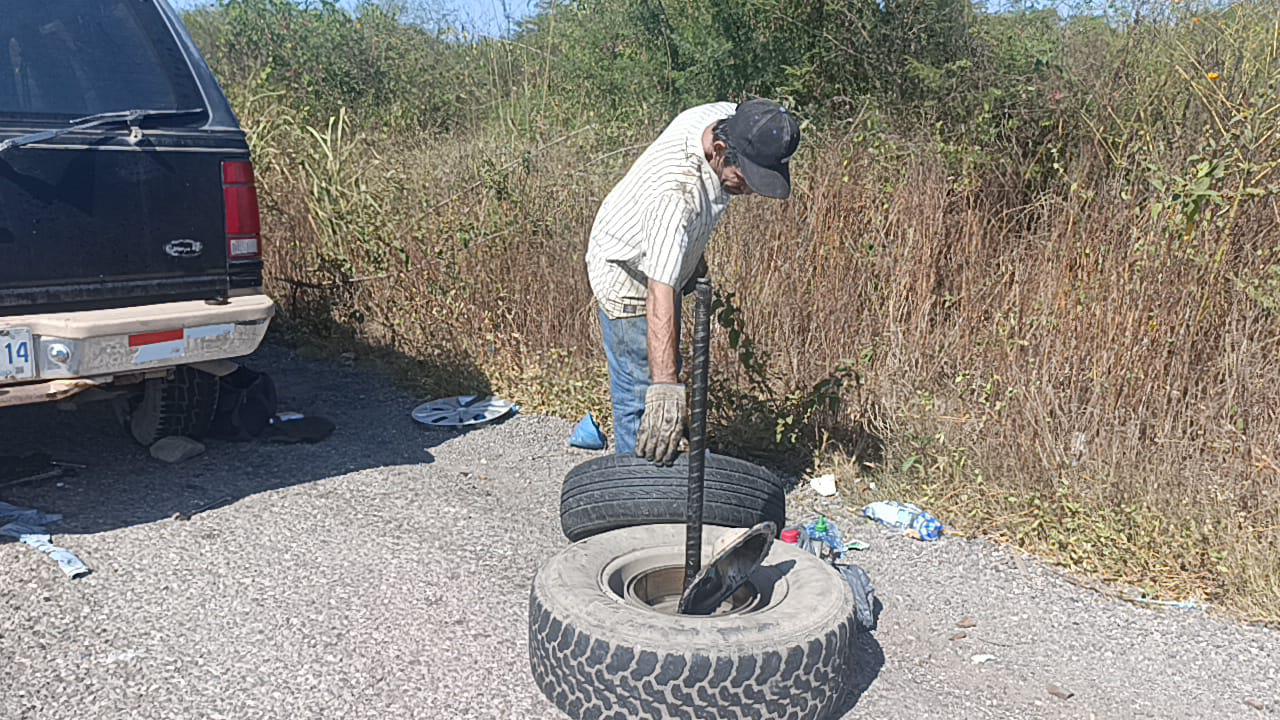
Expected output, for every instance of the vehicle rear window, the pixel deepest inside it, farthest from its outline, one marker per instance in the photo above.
(62, 59)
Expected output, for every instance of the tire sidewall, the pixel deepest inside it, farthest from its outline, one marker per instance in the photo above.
(597, 656)
(816, 596)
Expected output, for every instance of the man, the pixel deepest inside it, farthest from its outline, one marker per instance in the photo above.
(648, 240)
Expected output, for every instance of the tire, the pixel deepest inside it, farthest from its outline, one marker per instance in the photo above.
(618, 491)
(598, 656)
(179, 405)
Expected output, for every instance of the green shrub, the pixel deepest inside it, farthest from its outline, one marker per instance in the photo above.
(323, 57)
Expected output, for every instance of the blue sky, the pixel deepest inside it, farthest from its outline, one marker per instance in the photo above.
(494, 17)
(490, 17)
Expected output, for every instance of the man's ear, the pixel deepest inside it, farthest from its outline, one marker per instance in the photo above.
(719, 148)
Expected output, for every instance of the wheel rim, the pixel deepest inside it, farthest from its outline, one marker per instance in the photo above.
(652, 579)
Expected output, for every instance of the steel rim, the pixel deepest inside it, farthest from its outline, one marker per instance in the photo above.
(652, 579)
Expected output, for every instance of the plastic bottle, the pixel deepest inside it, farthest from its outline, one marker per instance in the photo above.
(798, 535)
(905, 516)
(826, 533)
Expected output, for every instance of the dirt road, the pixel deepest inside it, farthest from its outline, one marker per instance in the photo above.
(384, 573)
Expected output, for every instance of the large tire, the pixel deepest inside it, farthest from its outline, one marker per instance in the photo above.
(597, 655)
(179, 405)
(618, 491)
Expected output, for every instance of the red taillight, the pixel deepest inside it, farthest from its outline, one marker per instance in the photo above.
(241, 199)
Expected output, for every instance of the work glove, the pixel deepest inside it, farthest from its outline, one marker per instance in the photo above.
(663, 423)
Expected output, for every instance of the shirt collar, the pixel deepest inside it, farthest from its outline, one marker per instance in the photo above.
(715, 189)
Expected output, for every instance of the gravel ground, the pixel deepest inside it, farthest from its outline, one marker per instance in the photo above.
(384, 573)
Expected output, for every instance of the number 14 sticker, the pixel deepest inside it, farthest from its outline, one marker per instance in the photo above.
(18, 352)
(15, 354)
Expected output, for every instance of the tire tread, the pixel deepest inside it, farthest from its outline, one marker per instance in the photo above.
(619, 491)
(588, 677)
(181, 405)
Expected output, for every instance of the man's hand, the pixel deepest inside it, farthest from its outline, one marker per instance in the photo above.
(699, 272)
(663, 423)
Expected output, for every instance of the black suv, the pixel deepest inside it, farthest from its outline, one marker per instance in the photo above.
(130, 255)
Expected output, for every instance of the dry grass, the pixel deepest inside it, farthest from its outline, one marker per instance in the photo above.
(1064, 377)
(1068, 376)
(1087, 370)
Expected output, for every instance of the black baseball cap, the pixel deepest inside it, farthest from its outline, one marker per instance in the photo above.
(765, 136)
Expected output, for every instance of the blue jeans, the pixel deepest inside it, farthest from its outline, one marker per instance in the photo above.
(626, 346)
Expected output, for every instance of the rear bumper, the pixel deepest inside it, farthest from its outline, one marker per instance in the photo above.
(74, 351)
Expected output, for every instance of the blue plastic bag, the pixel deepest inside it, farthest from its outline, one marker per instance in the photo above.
(588, 435)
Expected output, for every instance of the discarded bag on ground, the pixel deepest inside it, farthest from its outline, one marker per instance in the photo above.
(587, 434)
(246, 403)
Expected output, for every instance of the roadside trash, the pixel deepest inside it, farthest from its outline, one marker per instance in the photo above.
(808, 545)
(826, 533)
(16, 470)
(27, 526)
(247, 410)
(821, 538)
(587, 434)
(461, 411)
(818, 534)
(824, 485)
(26, 516)
(295, 427)
(1171, 604)
(864, 596)
(798, 536)
(1255, 704)
(958, 635)
(1060, 692)
(966, 622)
(982, 659)
(176, 449)
(905, 516)
(68, 563)
(246, 404)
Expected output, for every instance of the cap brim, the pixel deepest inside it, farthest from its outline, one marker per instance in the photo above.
(769, 182)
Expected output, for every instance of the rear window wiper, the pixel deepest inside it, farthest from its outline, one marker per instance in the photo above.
(130, 117)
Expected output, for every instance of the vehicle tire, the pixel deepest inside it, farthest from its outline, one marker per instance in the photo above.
(179, 405)
(598, 650)
(619, 491)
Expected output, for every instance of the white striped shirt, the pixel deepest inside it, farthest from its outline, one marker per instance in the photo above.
(656, 221)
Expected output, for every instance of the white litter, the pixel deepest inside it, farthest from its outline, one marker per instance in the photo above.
(824, 485)
(980, 659)
(27, 526)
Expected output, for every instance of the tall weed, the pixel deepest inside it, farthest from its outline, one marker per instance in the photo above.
(1030, 274)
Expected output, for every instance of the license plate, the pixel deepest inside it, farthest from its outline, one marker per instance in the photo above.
(17, 356)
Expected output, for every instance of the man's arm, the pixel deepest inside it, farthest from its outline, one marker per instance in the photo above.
(664, 328)
(663, 422)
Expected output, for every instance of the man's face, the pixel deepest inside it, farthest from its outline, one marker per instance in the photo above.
(733, 181)
(730, 177)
